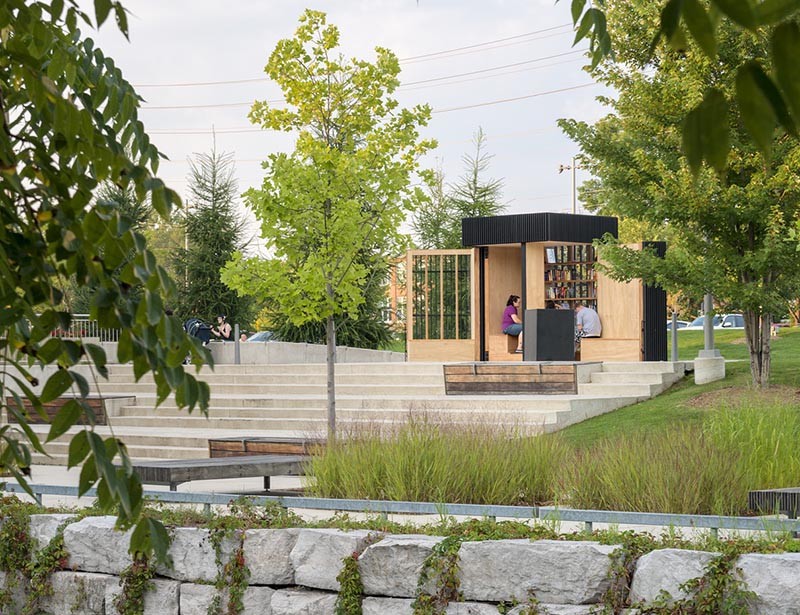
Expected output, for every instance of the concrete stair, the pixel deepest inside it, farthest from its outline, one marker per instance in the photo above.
(290, 400)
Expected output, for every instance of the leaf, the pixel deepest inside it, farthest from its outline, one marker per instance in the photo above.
(757, 112)
(56, 385)
(98, 356)
(740, 11)
(88, 476)
(577, 9)
(670, 18)
(83, 385)
(66, 417)
(102, 8)
(700, 26)
(150, 536)
(785, 53)
(78, 449)
(584, 27)
(705, 133)
(773, 11)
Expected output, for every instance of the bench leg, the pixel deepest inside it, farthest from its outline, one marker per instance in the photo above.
(173, 486)
(267, 483)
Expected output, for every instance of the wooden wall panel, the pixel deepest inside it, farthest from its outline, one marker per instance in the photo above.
(619, 305)
(503, 278)
(534, 274)
(442, 350)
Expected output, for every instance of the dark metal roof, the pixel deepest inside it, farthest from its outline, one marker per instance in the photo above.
(529, 228)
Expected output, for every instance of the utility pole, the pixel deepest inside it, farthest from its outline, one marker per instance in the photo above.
(572, 167)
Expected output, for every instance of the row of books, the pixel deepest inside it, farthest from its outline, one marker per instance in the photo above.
(581, 290)
(583, 253)
(559, 273)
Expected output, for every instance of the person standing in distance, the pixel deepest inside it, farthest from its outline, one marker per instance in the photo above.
(223, 329)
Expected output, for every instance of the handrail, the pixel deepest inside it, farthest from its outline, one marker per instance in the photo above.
(385, 507)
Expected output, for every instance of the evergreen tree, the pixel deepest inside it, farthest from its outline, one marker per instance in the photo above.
(213, 233)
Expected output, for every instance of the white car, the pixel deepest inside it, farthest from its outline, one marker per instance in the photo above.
(721, 321)
(679, 324)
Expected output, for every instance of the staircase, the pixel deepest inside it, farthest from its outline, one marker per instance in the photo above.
(290, 400)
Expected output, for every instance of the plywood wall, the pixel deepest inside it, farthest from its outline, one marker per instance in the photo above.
(534, 274)
(619, 305)
(503, 278)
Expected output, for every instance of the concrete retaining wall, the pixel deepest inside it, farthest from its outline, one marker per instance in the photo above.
(294, 571)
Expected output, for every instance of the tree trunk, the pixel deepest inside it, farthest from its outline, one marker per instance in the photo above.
(330, 331)
(757, 329)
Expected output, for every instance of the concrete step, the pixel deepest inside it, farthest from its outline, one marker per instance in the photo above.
(300, 379)
(642, 391)
(221, 412)
(307, 368)
(286, 389)
(629, 378)
(645, 366)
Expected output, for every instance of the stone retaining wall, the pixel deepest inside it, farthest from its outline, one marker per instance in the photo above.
(294, 572)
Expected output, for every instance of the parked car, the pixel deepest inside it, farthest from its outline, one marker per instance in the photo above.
(721, 321)
(698, 322)
(679, 324)
(263, 336)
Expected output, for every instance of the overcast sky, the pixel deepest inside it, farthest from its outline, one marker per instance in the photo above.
(177, 43)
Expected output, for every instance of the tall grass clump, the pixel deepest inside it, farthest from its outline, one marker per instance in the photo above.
(762, 439)
(679, 470)
(426, 460)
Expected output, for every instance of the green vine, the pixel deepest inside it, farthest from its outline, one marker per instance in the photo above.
(532, 606)
(15, 545)
(351, 591)
(135, 580)
(39, 571)
(442, 566)
(233, 575)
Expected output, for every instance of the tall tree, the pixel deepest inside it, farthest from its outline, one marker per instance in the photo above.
(346, 186)
(730, 228)
(214, 231)
(69, 122)
(437, 221)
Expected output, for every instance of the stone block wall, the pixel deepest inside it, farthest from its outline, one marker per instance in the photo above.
(294, 572)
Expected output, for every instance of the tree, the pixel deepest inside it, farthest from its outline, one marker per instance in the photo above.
(213, 234)
(437, 221)
(728, 230)
(69, 123)
(767, 91)
(344, 190)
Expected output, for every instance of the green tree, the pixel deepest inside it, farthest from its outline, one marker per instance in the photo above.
(69, 123)
(437, 221)
(345, 187)
(214, 233)
(767, 89)
(728, 230)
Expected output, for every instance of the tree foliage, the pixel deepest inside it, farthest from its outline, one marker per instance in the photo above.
(727, 231)
(213, 230)
(344, 190)
(437, 221)
(69, 123)
(767, 87)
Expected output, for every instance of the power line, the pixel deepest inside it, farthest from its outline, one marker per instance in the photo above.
(410, 59)
(505, 100)
(423, 82)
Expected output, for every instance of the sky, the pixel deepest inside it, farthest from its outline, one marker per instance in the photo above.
(199, 65)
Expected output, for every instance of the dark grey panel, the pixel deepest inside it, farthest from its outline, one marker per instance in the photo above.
(525, 228)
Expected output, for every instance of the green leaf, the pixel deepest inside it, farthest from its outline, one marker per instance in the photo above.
(770, 12)
(98, 356)
(740, 11)
(757, 112)
(577, 9)
(705, 133)
(150, 536)
(83, 385)
(700, 26)
(785, 53)
(102, 8)
(584, 27)
(56, 385)
(78, 449)
(66, 417)
(670, 18)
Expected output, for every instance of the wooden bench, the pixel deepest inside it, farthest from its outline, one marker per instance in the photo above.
(531, 378)
(173, 472)
(502, 347)
(241, 446)
(51, 408)
(768, 501)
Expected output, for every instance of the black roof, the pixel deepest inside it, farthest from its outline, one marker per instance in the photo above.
(539, 227)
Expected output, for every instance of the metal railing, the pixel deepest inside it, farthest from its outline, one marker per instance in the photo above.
(385, 507)
(83, 327)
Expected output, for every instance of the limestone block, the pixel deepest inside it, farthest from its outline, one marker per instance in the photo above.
(303, 602)
(388, 606)
(193, 555)
(160, 599)
(77, 592)
(392, 566)
(557, 572)
(667, 569)
(17, 591)
(44, 527)
(317, 555)
(470, 608)
(708, 369)
(95, 546)
(774, 579)
(195, 600)
(267, 554)
(561, 609)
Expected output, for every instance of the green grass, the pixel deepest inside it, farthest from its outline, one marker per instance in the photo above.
(694, 450)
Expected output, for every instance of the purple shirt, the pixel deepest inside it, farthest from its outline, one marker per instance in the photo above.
(507, 320)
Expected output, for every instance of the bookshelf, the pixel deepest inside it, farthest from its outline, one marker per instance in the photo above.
(569, 274)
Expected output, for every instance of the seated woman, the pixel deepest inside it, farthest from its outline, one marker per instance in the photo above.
(512, 323)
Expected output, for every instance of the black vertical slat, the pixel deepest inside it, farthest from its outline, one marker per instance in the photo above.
(483, 255)
(530, 228)
(523, 291)
(654, 325)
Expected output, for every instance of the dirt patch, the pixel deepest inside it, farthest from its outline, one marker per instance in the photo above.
(741, 396)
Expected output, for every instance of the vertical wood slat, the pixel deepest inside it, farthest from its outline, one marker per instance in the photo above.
(455, 291)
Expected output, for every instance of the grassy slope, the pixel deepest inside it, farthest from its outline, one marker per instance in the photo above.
(672, 407)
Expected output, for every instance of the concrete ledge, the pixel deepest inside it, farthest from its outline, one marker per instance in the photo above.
(708, 369)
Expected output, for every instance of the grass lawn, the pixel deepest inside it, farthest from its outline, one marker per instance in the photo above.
(685, 403)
